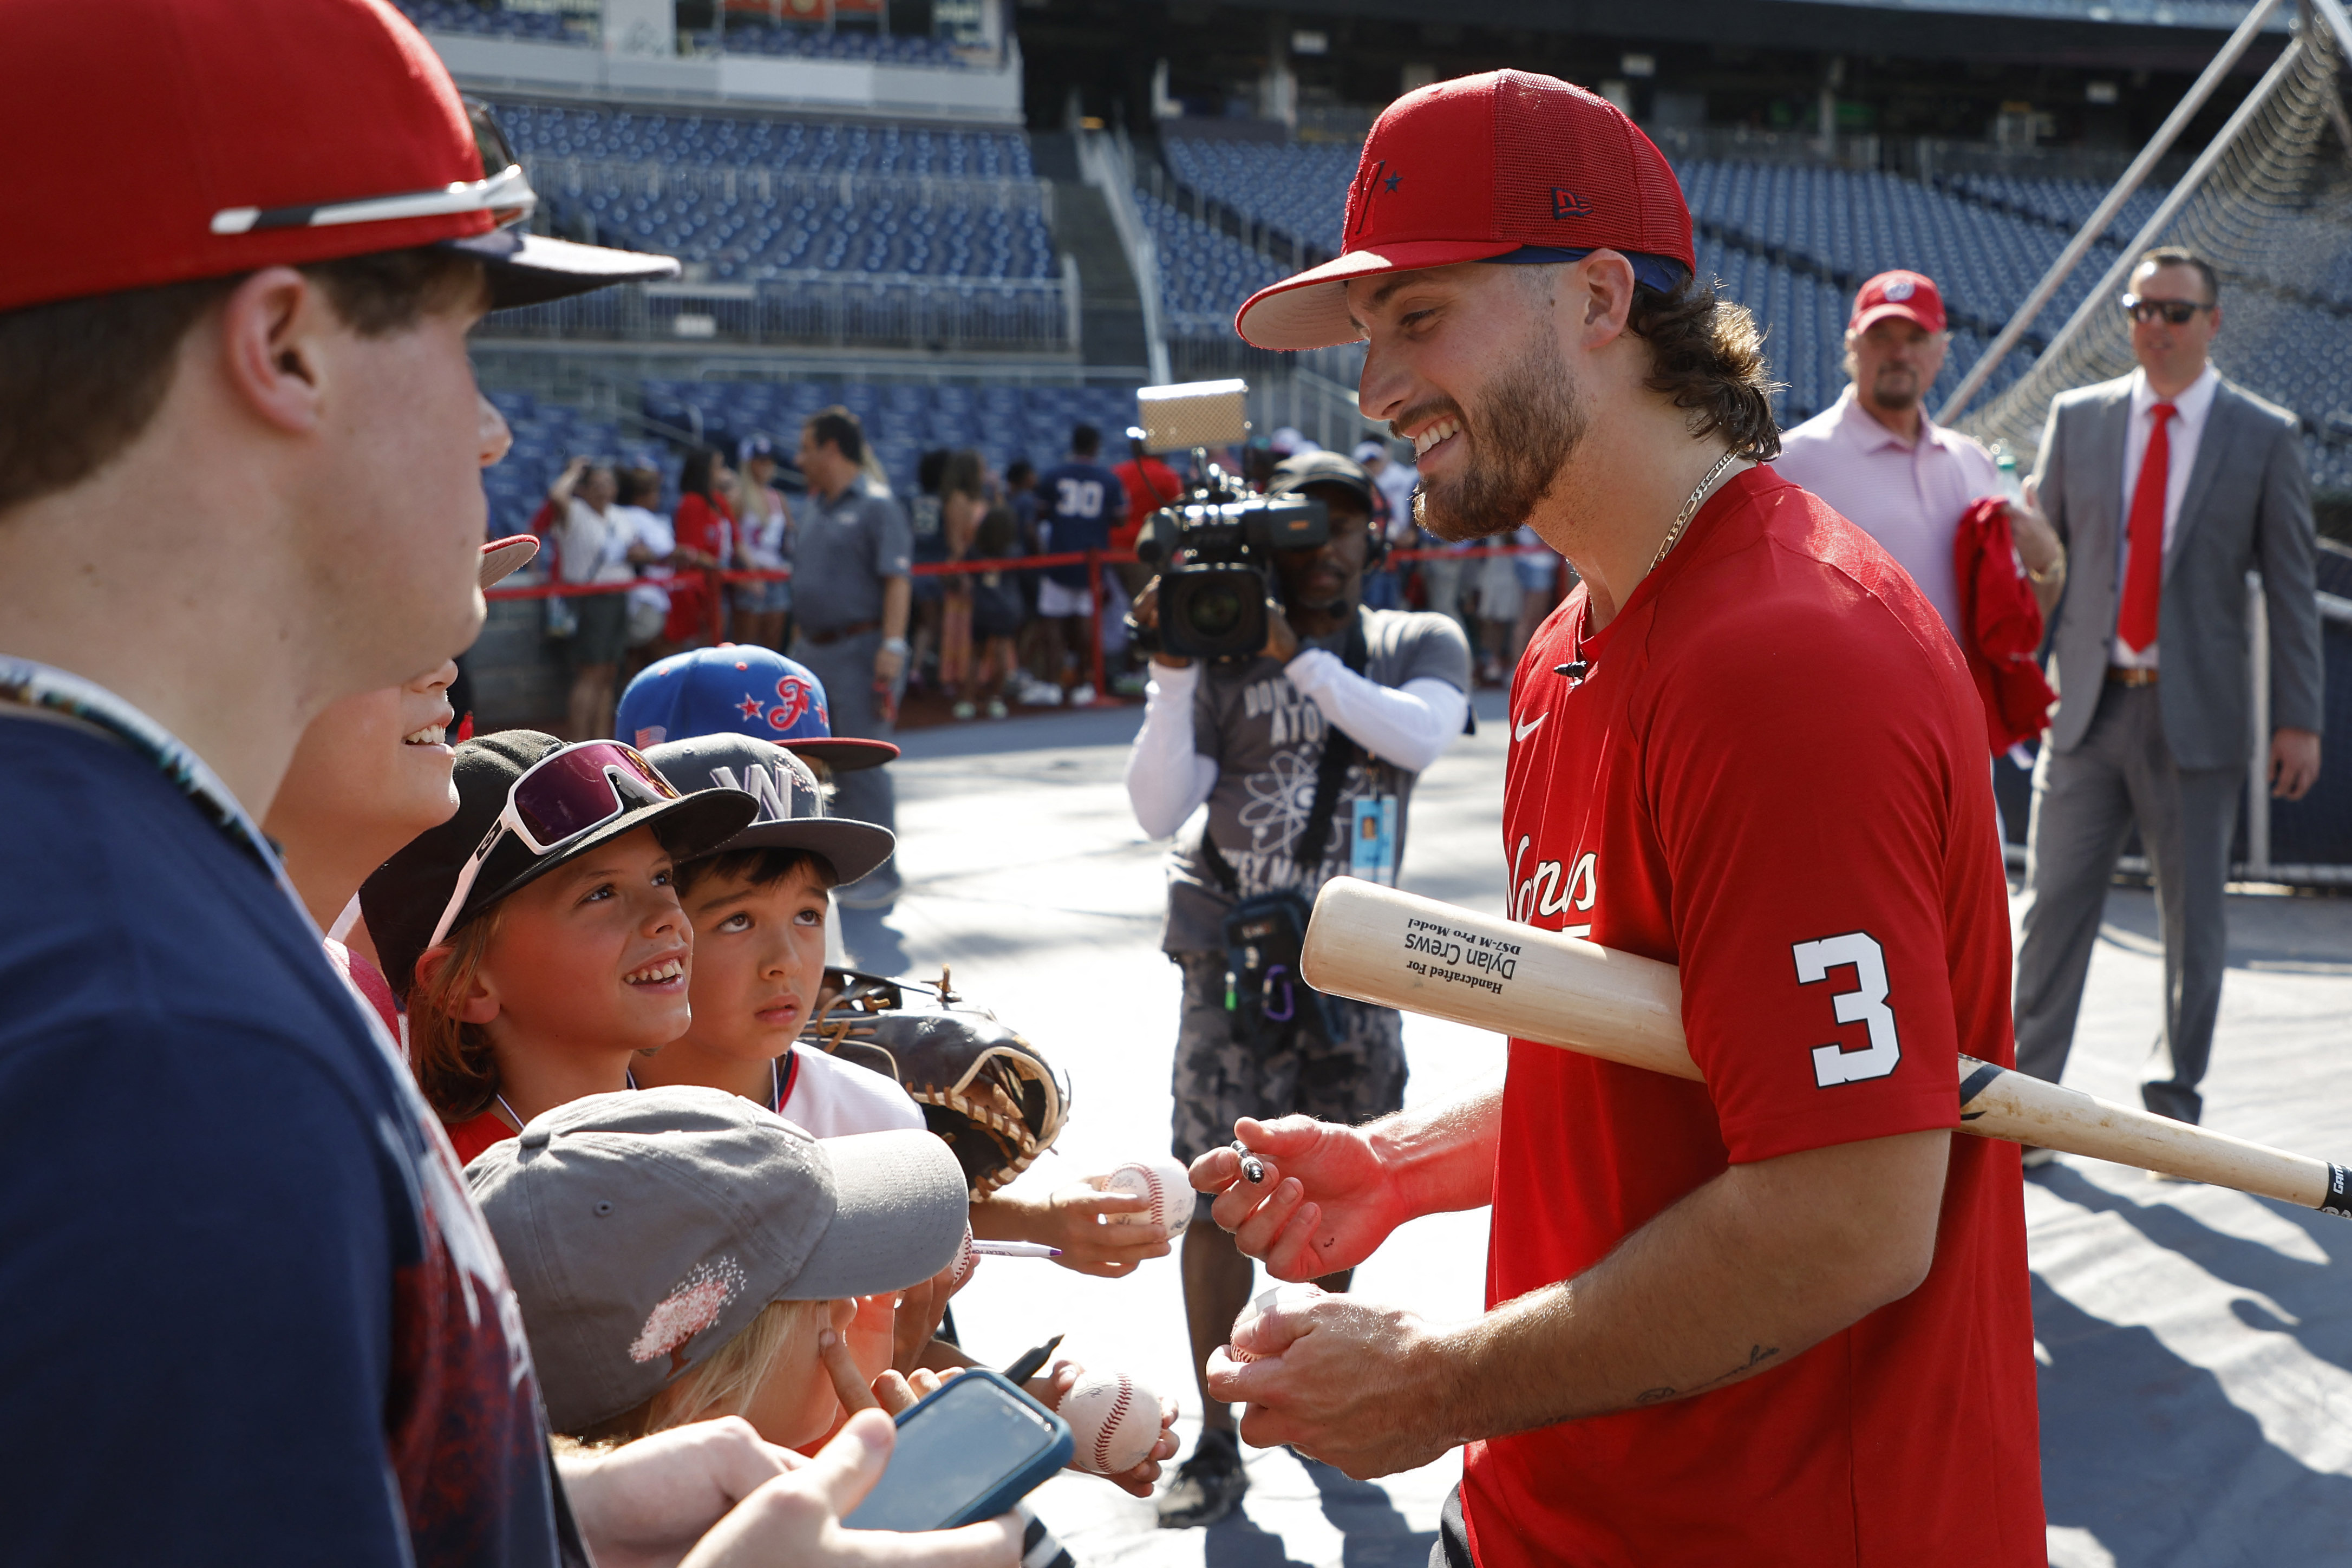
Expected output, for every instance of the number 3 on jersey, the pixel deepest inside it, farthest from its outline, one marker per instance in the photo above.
(1866, 1002)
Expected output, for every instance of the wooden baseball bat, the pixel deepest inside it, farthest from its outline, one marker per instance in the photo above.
(1400, 950)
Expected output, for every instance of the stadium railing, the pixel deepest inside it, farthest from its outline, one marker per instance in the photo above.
(1094, 561)
(807, 308)
(582, 177)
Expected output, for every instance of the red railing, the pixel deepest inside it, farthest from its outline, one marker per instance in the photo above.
(1093, 560)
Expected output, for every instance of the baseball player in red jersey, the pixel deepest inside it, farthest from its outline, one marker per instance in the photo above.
(1780, 1318)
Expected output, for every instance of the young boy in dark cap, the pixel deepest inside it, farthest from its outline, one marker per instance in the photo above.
(759, 905)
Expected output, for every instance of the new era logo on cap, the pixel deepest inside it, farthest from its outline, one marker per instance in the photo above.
(1477, 169)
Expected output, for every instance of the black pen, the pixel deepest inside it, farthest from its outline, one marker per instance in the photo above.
(1025, 1369)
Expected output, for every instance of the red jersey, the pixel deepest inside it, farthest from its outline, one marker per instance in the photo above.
(1772, 774)
(709, 526)
(1149, 484)
(472, 1136)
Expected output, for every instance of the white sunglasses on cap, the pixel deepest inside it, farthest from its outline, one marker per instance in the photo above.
(559, 797)
(506, 194)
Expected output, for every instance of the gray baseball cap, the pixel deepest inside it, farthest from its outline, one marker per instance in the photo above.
(644, 1229)
(792, 803)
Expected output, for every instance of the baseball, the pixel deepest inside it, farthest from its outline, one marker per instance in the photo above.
(1293, 1295)
(966, 1261)
(1114, 1422)
(1164, 1182)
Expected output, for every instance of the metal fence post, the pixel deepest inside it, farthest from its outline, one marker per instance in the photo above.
(2258, 761)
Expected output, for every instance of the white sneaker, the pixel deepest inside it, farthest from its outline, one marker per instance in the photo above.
(1081, 696)
(1042, 694)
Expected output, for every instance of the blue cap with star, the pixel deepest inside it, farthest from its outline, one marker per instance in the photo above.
(743, 690)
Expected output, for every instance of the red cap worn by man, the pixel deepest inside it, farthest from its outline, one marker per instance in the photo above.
(1780, 1317)
(240, 454)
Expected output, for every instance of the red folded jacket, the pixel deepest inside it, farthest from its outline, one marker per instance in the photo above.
(2001, 626)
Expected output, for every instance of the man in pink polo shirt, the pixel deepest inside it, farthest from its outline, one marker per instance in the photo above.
(1896, 474)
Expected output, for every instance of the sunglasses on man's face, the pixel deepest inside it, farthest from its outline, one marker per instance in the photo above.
(2176, 311)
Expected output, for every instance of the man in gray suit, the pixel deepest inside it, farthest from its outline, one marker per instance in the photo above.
(2168, 486)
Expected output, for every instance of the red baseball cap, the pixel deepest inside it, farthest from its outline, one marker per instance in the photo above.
(1506, 166)
(161, 141)
(1910, 295)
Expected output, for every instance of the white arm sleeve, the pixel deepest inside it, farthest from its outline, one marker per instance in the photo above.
(1167, 780)
(1408, 725)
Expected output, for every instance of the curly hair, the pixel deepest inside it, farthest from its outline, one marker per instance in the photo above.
(1707, 354)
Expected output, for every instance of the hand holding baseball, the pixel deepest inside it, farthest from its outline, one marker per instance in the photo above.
(1074, 1218)
(1121, 1429)
(1327, 1202)
(1353, 1384)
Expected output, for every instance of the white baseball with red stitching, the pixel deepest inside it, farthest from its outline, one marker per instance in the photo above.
(1165, 1183)
(1114, 1422)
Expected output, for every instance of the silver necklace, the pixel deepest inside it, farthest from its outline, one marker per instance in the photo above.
(516, 1121)
(1690, 508)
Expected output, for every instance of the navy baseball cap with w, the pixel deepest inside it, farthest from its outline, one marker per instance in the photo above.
(1505, 166)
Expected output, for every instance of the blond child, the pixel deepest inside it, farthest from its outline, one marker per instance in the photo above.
(535, 936)
(682, 1254)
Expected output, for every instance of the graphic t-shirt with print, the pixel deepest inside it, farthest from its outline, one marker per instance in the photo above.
(1266, 738)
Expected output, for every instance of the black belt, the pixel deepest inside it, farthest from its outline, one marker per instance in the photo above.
(831, 635)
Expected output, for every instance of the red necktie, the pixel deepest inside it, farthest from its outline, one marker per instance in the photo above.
(2144, 574)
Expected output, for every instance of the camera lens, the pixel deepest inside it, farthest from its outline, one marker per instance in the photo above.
(1213, 611)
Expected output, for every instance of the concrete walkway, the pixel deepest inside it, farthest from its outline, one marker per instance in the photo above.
(2197, 1404)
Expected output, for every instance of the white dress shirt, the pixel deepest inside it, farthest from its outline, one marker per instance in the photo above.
(1909, 496)
(2188, 428)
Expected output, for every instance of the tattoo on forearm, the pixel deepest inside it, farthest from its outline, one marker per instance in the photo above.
(1756, 1356)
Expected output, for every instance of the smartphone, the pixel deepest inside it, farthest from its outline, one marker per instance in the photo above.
(967, 1452)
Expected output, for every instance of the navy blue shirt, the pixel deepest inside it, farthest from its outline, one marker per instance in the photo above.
(1084, 502)
(252, 1315)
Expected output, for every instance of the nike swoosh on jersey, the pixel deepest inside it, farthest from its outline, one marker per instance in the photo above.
(1522, 731)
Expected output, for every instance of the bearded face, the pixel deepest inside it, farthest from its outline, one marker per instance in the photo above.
(1519, 432)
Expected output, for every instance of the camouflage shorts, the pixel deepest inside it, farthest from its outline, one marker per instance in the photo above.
(1352, 1079)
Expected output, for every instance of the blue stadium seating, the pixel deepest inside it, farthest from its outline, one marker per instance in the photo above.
(1205, 273)
(1790, 242)
(1300, 189)
(744, 36)
(496, 21)
(804, 226)
(803, 146)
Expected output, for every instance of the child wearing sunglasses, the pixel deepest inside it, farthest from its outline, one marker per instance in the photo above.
(535, 936)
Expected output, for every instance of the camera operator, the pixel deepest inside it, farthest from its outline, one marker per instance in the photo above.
(1335, 716)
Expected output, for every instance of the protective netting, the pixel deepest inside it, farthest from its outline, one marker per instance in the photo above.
(2274, 216)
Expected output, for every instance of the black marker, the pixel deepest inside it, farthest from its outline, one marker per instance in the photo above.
(1022, 1370)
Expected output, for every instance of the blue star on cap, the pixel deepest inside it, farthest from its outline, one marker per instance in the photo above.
(1392, 181)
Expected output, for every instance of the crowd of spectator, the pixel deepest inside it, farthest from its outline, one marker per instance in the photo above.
(983, 642)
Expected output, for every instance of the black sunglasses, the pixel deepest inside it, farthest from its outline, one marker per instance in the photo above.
(2176, 311)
